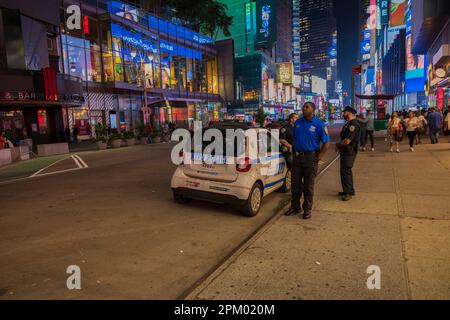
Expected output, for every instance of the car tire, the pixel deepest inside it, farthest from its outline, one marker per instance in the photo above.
(287, 184)
(181, 199)
(253, 204)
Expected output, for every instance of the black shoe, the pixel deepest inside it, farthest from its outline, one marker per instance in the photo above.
(343, 194)
(292, 212)
(347, 197)
(307, 215)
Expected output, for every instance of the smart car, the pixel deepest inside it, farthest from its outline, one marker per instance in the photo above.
(243, 185)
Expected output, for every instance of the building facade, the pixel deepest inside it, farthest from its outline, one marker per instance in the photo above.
(318, 48)
(122, 50)
(34, 92)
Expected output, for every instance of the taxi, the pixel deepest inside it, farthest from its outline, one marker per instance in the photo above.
(242, 185)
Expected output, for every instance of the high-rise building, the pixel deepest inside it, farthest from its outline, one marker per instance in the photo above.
(318, 46)
(296, 36)
(263, 42)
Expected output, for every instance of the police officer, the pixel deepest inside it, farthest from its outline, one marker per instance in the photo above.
(287, 139)
(309, 133)
(348, 148)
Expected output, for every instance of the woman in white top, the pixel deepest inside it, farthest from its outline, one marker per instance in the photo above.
(395, 131)
(412, 123)
(422, 126)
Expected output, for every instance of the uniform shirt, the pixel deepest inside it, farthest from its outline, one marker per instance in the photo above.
(351, 131)
(286, 133)
(309, 134)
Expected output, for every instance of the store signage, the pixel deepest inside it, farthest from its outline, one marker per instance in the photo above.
(266, 24)
(21, 96)
(357, 69)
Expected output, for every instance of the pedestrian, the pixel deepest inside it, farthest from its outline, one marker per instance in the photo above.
(421, 129)
(395, 131)
(75, 133)
(309, 133)
(434, 120)
(363, 126)
(370, 129)
(287, 139)
(411, 123)
(348, 148)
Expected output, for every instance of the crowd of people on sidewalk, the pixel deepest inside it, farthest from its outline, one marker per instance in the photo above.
(411, 124)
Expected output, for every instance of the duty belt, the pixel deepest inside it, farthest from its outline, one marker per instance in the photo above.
(299, 154)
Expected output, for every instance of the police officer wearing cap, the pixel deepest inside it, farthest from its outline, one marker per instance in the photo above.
(309, 133)
(287, 139)
(348, 148)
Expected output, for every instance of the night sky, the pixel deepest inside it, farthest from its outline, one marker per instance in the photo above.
(346, 12)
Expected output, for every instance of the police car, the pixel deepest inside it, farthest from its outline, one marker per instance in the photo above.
(243, 185)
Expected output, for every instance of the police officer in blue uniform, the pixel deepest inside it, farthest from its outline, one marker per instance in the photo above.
(309, 133)
(348, 148)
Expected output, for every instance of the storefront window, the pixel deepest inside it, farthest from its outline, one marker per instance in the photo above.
(74, 57)
(42, 122)
(165, 69)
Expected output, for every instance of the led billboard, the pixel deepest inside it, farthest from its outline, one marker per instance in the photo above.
(266, 23)
(397, 14)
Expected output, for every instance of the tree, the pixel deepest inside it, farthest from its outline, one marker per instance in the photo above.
(204, 16)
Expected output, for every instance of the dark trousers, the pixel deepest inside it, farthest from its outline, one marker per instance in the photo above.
(347, 162)
(363, 138)
(369, 134)
(411, 137)
(434, 135)
(304, 172)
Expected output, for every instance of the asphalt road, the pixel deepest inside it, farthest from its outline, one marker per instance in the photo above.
(117, 221)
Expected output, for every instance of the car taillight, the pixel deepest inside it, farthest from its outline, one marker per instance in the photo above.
(245, 166)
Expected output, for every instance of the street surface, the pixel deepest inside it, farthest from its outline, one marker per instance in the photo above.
(117, 221)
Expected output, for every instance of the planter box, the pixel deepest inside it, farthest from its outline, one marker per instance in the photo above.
(130, 142)
(143, 141)
(45, 150)
(5, 157)
(156, 139)
(116, 143)
(102, 145)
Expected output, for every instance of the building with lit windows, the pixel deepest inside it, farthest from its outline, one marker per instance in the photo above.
(34, 93)
(122, 49)
(262, 34)
(318, 47)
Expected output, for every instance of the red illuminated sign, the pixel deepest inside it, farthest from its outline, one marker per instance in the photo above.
(440, 98)
(50, 89)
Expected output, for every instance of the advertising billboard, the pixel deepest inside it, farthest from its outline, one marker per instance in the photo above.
(285, 72)
(382, 13)
(415, 64)
(265, 23)
(397, 14)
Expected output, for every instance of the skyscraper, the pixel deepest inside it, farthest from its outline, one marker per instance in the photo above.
(318, 48)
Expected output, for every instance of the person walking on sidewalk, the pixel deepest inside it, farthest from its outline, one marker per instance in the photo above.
(348, 148)
(363, 126)
(411, 123)
(434, 124)
(370, 129)
(309, 133)
(395, 130)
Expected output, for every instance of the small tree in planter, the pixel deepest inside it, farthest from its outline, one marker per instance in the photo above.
(156, 136)
(129, 138)
(141, 132)
(116, 140)
(101, 136)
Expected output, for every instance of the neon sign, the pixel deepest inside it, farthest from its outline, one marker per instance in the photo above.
(265, 17)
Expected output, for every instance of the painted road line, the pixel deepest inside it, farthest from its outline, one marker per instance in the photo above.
(77, 162)
(81, 161)
(57, 172)
(43, 169)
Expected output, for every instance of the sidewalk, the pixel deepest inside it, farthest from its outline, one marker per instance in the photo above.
(399, 221)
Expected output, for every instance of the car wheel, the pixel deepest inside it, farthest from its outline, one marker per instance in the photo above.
(287, 184)
(180, 199)
(253, 203)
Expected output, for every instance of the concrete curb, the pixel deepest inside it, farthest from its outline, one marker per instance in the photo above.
(194, 291)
